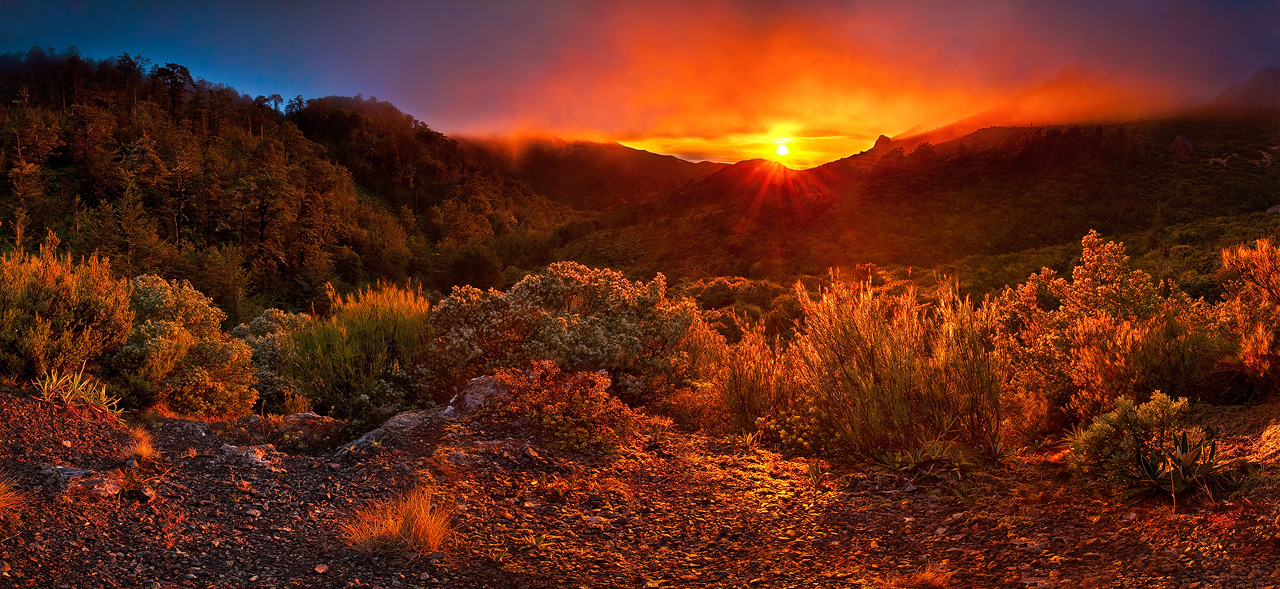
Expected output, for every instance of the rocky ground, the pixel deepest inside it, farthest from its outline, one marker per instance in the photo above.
(218, 509)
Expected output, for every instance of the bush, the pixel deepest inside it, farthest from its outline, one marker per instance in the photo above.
(882, 369)
(581, 319)
(1117, 440)
(269, 336)
(57, 315)
(354, 364)
(1252, 307)
(1077, 346)
(571, 410)
(177, 354)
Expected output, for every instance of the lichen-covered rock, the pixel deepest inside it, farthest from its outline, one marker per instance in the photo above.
(479, 392)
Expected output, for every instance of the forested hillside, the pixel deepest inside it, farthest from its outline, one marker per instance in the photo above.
(255, 204)
(997, 191)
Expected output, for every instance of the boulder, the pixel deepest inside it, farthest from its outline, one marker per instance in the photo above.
(396, 428)
(479, 392)
(1275, 209)
(83, 482)
(1182, 152)
(262, 456)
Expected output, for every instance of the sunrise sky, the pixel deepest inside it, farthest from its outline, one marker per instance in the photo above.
(720, 80)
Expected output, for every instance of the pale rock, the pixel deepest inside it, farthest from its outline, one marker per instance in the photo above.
(479, 392)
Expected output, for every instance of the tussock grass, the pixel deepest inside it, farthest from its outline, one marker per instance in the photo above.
(412, 523)
(12, 502)
(142, 448)
(930, 577)
(888, 370)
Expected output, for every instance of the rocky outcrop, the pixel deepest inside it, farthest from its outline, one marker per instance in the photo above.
(1182, 152)
(478, 393)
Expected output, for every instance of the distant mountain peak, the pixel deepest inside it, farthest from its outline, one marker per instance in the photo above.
(1262, 89)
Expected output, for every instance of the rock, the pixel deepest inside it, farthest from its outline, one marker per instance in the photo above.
(1275, 209)
(82, 481)
(1182, 152)
(253, 513)
(66, 443)
(98, 486)
(143, 495)
(531, 453)
(393, 429)
(322, 568)
(260, 456)
(479, 392)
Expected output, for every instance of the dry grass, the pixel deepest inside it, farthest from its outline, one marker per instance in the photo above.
(142, 448)
(295, 403)
(12, 502)
(930, 577)
(413, 523)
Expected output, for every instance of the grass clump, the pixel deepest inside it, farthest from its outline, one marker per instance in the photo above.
(142, 448)
(879, 368)
(77, 389)
(932, 576)
(412, 523)
(354, 364)
(571, 410)
(12, 502)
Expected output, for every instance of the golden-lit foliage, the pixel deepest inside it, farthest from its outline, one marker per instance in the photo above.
(412, 523)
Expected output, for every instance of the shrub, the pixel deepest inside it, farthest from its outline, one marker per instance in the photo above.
(412, 523)
(571, 410)
(1076, 346)
(354, 363)
(1252, 307)
(577, 317)
(1117, 440)
(880, 369)
(269, 336)
(57, 315)
(177, 354)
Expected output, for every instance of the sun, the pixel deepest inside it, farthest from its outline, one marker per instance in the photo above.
(782, 150)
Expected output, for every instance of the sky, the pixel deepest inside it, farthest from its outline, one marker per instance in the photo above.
(721, 80)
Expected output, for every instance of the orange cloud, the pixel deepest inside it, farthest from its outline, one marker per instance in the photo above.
(724, 80)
